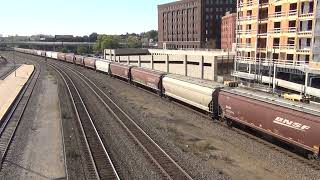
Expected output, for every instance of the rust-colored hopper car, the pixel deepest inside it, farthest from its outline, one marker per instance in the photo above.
(147, 77)
(90, 62)
(62, 56)
(79, 60)
(70, 57)
(293, 122)
(120, 70)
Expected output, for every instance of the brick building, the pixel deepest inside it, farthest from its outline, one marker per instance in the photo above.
(192, 23)
(228, 30)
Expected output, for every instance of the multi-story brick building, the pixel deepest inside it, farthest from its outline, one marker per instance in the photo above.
(192, 23)
(278, 42)
(228, 31)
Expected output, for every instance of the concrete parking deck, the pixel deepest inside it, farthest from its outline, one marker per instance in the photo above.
(11, 86)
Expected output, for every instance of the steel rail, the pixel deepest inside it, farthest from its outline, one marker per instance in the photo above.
(11, 121)
(312, 164)
(11, 70)
(168, 167)
(102, 167)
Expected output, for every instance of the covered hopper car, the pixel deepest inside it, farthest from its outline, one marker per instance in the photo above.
(120, 70)
(148, 78)
(69, 57)
(102, 65)
(89, 62)
(295, 123)
(79, 60)
(62, 56)
(49, 54)
(196, 92)
(54, 55)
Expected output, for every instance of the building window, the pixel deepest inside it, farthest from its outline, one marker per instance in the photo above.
(278, 9)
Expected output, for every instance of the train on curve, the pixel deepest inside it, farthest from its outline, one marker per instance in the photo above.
(294, 123)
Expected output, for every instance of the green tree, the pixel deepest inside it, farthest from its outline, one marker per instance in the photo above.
(93, 37)
(153, 34)
(134, 42)
(62, 49)
(106, 42)
(82, 50)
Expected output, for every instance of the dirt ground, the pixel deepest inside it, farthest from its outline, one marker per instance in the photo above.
(44, 150)
(37, 149)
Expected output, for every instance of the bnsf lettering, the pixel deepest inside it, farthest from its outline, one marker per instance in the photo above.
(291, 124)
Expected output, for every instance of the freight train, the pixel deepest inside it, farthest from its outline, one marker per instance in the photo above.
(294, 123)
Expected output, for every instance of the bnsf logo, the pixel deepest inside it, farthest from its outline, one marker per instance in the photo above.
(291, 124)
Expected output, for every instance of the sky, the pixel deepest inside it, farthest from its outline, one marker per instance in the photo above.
(78, 17)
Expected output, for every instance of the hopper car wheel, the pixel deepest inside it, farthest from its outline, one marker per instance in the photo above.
(229, 123)
(313, 156)
(211, 115)
(221, 115)
(167, 98)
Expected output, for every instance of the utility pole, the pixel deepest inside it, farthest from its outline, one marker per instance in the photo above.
(14, 61)
(274, 77)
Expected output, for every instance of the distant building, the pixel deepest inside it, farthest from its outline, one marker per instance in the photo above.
(65, 38)
(192, 23)
(40, 37)
(17, 38)
(228, 31)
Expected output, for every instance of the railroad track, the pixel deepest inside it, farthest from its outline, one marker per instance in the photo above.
(99, 164)
(11, 70)
(3, 60)
(314, 164)
(162, 161)
(11, 121)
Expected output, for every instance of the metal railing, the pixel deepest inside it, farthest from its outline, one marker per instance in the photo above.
(268, 61)
(287, 46)
(306, 15)
(278, 14)
(285, 14)
(283, 30)
(244, 31)
(247, 4)
(244, 45)
(247, 18)
(307, 32)
(304, 50)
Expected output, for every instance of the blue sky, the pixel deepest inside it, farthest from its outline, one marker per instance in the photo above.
(77, 17)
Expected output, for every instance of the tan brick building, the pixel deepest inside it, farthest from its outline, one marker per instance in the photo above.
(278, 39)
(228, 30)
